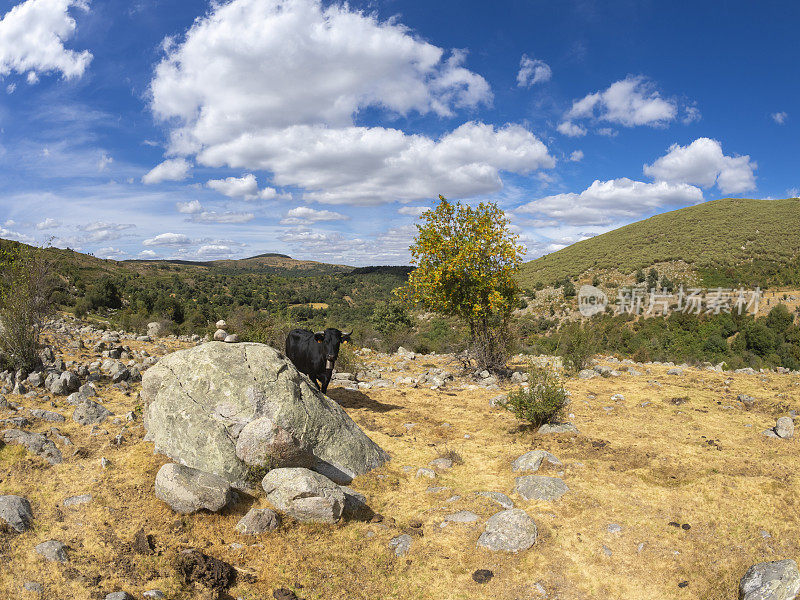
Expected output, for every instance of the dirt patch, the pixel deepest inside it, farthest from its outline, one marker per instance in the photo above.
(196, 567)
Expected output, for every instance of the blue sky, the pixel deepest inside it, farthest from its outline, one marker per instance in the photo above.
(192, 130)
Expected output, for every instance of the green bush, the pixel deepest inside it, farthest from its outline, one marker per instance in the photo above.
(26, 283)
(105, 294)
(576, 346)
(543, 401)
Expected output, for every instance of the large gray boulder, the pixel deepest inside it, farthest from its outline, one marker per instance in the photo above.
(305, 495)
(188, 490)
(777, 580)
(236, 409)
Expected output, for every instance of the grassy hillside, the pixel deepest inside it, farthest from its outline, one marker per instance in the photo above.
(725, 242)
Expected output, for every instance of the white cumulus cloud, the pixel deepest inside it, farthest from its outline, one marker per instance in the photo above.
(629, 102)
(571, 129)
(703, 163)
(605, 202)
(414, 211)
(532, 71)
(168, 239)
(304, 215)
(32, 36)
(174, 169)
(576, 156)
(48, 223)
(245, 187)
(189, 208)
(229, 90)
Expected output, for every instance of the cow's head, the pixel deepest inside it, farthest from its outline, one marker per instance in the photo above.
(330, 340)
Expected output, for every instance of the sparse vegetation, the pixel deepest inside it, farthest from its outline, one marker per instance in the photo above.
(26, 285)
(541, 401)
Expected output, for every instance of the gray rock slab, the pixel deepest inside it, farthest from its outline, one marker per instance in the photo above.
(258, 521)
(531, 461)
(501, 499)
(16, 512)
(401, 544)
(189, 490)
(511, 530)
(539, 487)
(89, 412)
(305, 495)
(37, 443)
(53, 551)
(558, 428)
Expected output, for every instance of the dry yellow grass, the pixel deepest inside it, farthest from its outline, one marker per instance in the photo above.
(700, 463)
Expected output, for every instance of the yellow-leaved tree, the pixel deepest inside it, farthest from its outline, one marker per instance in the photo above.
(466, 259)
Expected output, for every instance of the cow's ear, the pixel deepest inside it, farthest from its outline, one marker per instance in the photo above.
(319, 336)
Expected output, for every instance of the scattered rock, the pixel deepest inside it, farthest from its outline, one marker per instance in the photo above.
(37, 443)
(220, 335)
(16, 512)
(501, 499)
(614, 528)
(53, 550)
(304, 494)
(401, 544)
(46, 415)
(441, 463)
(157, 594)
(33, 586)
(119, 596)
(539, 487)
(785, 427)
(509, 531)
(777, 580)
(558, 428)
(462, 516)
(531, 461)
(258, 521)
(75, 500)
(89, 412)
(429, 473)
(231, 338)
(748, 401)
(188, 490)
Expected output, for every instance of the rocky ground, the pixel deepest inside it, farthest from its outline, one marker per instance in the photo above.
(670, 482)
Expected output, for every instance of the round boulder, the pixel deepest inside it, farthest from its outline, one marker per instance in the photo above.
(777, 580)
(509, 531)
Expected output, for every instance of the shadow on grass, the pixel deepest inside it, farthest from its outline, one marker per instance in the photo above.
(355, 399)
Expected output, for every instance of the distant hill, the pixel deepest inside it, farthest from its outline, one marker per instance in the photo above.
(266, 263)
(723, 243)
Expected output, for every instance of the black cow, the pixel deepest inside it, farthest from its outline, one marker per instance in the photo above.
(314, 353)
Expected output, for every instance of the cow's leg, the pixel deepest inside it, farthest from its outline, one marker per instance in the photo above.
(326, 379)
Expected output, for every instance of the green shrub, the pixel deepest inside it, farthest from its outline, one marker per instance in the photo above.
(26, 283)
(348, 361)
(543, 401)
(577, 346)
